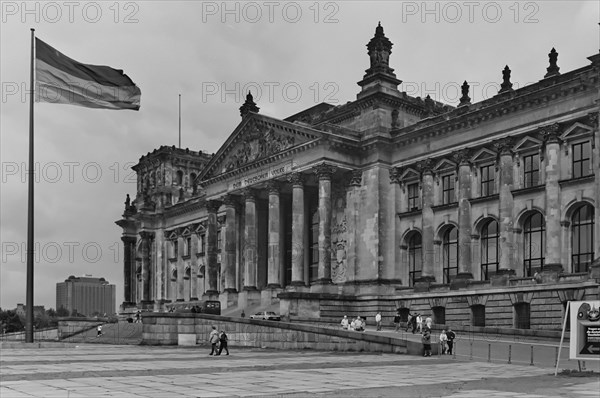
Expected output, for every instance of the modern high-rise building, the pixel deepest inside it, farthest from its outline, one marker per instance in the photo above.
(86, 295)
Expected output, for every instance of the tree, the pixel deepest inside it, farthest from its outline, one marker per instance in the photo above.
(62, 312)
(10, 321)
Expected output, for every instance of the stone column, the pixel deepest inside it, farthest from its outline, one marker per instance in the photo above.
(180, 265)
(250, 239)
(128, 267)
(298, 229)
(274, 234)
(427, 274)
(506, 250)
(146, 237)
(211, 247)
(462, 157)
(552, 262)
(230, 252)
(324, 172)
(194, 268)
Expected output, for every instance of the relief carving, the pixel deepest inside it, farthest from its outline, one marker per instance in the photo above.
(339, 228)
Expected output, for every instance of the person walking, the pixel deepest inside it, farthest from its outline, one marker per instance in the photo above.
(99, 331)
(419, 323)
(397, 320)
(443, 342)
(450, 335)
(426, 340)
(137, 317)
(223, 343)
(378, 320)
(344, 323)
(213, 339)
(409, 322)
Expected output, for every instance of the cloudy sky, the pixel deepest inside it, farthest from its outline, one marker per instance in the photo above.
(291, 55)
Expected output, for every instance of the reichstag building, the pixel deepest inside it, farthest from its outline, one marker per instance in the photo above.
(483, 214)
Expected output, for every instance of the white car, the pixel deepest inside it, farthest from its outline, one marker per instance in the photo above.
(266, 315)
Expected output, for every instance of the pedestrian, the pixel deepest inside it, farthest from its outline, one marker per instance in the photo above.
(426, 340)
(344, 323)
(409, 322)
(443, 342)
(378, 320)
(397, 320)
(99, 331)
(358, 325)
(137, 317)
(420, 323)
(213, 339)
(223, 343)
(243, 314)
(450, 335)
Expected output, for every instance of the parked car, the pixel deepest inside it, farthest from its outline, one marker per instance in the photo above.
(266, 315)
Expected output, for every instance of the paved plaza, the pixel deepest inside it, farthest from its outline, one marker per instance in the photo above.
(99, 370)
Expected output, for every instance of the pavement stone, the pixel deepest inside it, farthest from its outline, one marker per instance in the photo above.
(142, 371)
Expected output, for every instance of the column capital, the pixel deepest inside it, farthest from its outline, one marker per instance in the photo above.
(425, 166)
(324, 171)
(462, 157)
(249, 194)
(128, 239)
(551, 133)
(213, 206)
(273, 187)
(395, 173)
(356, 178)
(297, 179)
(504, 146)
(146, 235)
(592, 120)
(230, 200)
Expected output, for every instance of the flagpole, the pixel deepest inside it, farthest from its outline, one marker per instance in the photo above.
(31, 175)
(179, 121)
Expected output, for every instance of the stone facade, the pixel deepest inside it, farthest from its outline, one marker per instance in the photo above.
(483, 214)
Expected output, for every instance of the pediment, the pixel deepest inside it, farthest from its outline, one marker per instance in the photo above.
(444, 165)
(483, 155)
(200, 229)
(527, 143)
(185, 232)
(409, 174)
(575, 131)
(256, 138)
(171, 235)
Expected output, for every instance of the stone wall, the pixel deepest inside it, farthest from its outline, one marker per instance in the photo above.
(178, 328)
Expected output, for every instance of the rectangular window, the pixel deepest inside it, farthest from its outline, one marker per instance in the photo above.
(413, 197)
(448, 189)
(522, 316)
(478, 315)
(202, 244)
(219, 240)
(581, 159)
(187, 244)
(487, 180)
(531, 173)
(175, 249)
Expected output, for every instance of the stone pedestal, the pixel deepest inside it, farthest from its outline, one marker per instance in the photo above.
(422, 284)
(228, 299)
(248, 298)
(269, 296)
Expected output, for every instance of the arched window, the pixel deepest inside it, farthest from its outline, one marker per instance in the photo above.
(582, 238)
(415, 265)
(450, 253)
(489, 249)
(534, 250)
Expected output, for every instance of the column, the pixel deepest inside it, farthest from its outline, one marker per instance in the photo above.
(250, 239)
(128, 266)
(180, 283)
(553, 233)
(274, 236)
(211, 246)
(324, 172)
(194, 268)
(298, 229)
(427, 273)
(230, 252)
(464, 214)
(146, 237)
(506, 250)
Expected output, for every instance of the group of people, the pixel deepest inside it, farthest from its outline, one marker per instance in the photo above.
(357, 324)
(218, 342)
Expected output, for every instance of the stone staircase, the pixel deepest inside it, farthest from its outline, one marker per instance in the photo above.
(121, 332)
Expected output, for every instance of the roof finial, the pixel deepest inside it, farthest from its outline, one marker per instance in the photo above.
(506, 84)
(249, 105)
(553, 69)
(465, 99)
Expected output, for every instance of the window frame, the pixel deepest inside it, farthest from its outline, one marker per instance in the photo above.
(491, 171)
(415, 257)
(581, 162)
(527, 243)
(414, 200)
(533, 172)
(576, 266)
(448, 189)
(446, 248)
(484, 241)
